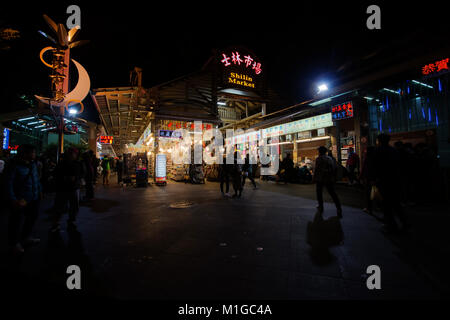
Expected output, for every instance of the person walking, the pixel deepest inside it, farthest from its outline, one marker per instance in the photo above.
(387, 179)
(237, 176)
(248, 170)
(224, 177)
(367, 177)
(23, 192)
(352, 164)
(106, 166)
(325, 176)
(119, 169)
(89, 176)
(68, 176)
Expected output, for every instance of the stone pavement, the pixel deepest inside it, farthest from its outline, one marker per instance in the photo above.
(270, 244)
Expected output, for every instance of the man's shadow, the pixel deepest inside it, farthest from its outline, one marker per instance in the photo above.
(321, 235)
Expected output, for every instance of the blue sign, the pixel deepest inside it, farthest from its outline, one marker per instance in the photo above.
(5, 139)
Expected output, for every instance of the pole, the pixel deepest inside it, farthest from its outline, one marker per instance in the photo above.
(65, 89)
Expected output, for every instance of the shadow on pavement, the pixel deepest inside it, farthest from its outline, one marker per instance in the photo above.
(321, 235)
(99, 205)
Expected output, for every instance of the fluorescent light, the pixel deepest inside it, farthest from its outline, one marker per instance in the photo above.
(40, 121)
(368, 98)
(422, 84)
(222, 103)
(313, 139)
(389, 90)
(40, 126)
(320, 102)
(23, 119)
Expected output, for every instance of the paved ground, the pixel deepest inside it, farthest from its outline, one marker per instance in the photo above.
(268, 245)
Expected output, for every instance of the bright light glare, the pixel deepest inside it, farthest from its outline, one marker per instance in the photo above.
(73, 111)
(323, 87)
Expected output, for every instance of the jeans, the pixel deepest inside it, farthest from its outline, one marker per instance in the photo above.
(330, 188)
(30, 213)
(224, 178)
(67, 201)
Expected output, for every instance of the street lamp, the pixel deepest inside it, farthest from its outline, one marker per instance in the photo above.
(322, 87)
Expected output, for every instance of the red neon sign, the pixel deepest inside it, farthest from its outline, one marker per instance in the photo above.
(435, 67)
(106, 139)
(236, 59)
(342, 111)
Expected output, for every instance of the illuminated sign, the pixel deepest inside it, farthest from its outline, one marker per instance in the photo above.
(438, 66)
(5, 139)
(160, 167)
(241, 79)
(247, 61)
(106, 139)
(342, 111)
(169, 134)
(317, 122)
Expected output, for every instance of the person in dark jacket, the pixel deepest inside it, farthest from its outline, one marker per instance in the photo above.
(119, 169)
(224, 177)
(236, 175)
(387, 179)
(325, 176)
(248, 170)
(68, 176)
(367, 177)
(89, 174)
(23, 192)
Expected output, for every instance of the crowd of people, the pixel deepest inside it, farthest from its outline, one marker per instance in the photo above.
(391, 175)
(26, 177)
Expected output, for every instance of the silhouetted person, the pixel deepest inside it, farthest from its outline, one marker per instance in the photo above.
(367, 176)
(119, 169)
(352, 164)
(23, 193)
(387, 179)
(324, 176)
(236, 175)
(106, 166)
(89, 174)
(224, 177)
(286, 168)
(68, 176)
(248, 170)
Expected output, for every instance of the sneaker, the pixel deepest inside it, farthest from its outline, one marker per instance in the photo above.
(31, 241)
(55, 228)
(17, 249)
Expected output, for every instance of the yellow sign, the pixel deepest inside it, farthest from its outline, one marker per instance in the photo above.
(241, 79)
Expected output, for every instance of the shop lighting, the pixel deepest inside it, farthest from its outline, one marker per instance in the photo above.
(277, 144)
(313, 139)
(389, 90)
(368, 98)
(35, 122)
(29, 118)
(422, 84)
(221, 103)
(320, 102)
(73, 111)
(48, 129)
(41, 126)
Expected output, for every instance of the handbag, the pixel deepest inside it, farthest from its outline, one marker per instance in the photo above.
(375, 194)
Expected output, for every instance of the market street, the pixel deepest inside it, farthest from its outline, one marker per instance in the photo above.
(132, 244)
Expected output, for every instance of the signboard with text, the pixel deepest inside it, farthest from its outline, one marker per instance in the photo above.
(317, 122)
(106, 139)
(342, 111)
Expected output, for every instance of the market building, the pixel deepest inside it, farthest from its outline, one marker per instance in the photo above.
(231, 91)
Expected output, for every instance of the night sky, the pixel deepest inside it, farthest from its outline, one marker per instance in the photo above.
(300, 45)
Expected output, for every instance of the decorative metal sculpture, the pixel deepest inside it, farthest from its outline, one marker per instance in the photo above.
(60, 73)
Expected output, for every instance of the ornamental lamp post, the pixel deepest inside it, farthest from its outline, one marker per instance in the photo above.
(59, 75)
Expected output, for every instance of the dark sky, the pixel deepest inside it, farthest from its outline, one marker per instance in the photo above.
(299, 44)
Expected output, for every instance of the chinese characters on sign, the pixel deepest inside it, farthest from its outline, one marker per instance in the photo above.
(342, 111)
(436, 67)
(5, 138)
(106, 139)
(236, 59)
